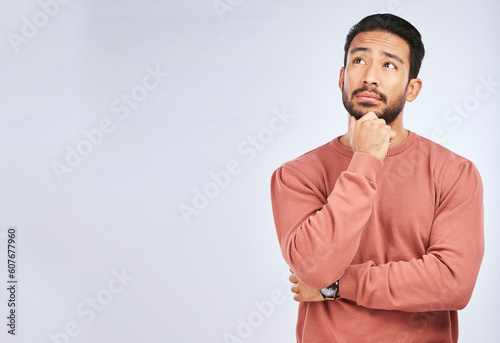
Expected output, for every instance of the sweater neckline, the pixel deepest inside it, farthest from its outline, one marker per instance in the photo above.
(398, 149)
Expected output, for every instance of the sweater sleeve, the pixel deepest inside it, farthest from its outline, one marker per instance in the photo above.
(443, 278)
(319, 236)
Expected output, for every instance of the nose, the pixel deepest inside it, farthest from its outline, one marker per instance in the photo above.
(371, 77)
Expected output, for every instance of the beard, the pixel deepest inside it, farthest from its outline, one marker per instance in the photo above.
(389, 113)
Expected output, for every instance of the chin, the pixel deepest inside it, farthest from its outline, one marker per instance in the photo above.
(362, 110)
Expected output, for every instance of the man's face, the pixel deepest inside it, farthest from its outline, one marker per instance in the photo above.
(375, 77)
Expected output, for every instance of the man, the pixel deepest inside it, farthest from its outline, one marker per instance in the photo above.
(382, 229)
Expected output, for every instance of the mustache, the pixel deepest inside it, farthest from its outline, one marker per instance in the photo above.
(373, 90)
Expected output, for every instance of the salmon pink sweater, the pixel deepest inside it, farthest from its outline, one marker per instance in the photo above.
(403, 237)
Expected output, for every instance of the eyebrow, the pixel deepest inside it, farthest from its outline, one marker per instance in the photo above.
(388, 54)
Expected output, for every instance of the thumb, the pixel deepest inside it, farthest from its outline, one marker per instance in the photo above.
(352, 126)
(352, 123)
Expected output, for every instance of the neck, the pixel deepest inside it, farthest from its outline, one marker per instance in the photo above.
(396, 125)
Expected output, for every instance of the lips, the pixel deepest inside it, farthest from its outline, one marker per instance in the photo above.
(368, 96)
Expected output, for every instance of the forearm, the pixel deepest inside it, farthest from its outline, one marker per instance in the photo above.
(421, 285)
(444, 277)
(319, 237)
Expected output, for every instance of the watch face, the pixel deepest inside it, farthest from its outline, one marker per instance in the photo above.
(328, 292)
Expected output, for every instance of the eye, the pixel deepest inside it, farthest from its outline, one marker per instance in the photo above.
(389, 65)
(358, 61)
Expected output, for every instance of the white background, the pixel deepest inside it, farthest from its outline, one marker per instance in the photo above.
(118, 209)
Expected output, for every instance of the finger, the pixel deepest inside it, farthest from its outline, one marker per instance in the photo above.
(384, 128)
(295, 288)
(368, 116)
(375, 122)
(352, 121)
(380, 122)
(389, 133)
(297, 297)
(352, 124)
(352, 130)
(293, 278)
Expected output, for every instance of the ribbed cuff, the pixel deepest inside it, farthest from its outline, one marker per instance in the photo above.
(366, 164)
(349, 282)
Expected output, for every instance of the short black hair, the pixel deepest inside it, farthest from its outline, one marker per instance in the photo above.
(396, 25)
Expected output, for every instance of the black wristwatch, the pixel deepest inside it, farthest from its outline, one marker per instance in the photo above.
(331, 292)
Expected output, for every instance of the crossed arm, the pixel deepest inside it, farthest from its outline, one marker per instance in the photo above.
(319, 236)
(442, 279)
(303, 292)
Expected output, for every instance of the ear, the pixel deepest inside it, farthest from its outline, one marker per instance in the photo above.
(413, 89)
(341, 78)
